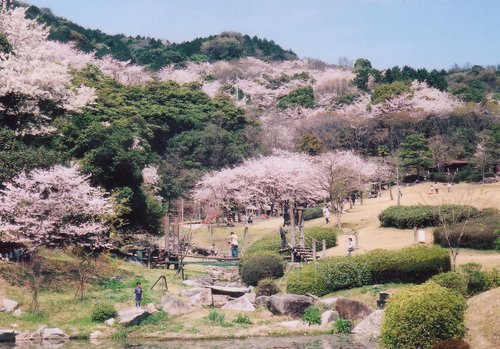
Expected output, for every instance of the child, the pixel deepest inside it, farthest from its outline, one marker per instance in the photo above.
(138, 295)
(350, 247)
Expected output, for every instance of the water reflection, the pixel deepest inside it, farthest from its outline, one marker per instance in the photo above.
(299, 342)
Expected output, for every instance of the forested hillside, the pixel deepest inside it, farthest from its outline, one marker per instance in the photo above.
(147, 136)
(156, 53)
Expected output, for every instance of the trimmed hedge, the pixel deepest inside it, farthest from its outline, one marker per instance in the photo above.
(266, 287)
(313, 213)
(422, 316)
(254, 268)
(453, 281)
(408, 217)
(321, 233)
(412, 264)
(479, 233)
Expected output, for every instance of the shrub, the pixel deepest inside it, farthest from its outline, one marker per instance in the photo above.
(242, 320)
(346, 99)
(476, 279)
(321, 233)
(103, 311)
(411, 264)
(421, 316)
(408, 217)
(492, 278)
(217, 317)
(342, 326)
(313, 213)
(383, 92)
(451, 280)
(302, 96)
(329, 275)
(268, 244)
(479, 233)
(257, 267)
(266, 287)
(312, 315)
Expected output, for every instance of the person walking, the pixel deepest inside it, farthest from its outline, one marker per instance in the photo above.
(283, 233)
(350, 247)
(138, 295)
(233, 239)
(326, 214)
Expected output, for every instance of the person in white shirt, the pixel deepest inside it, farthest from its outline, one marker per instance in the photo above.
(350, 246)
(233, 239)
(326, 213)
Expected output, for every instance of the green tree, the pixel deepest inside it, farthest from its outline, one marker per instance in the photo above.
(363, 69)
(311, 144)
(415, 153)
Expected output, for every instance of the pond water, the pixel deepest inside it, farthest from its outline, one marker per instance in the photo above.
(295, 342)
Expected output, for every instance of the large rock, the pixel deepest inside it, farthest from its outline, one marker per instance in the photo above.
(234, 292)
(174, 305)
(250, 296)
(262, 300)
(370, 326)
(224, 274)
(110, 322)
(198, 296)
(328, 317)
(151, 308)
(8, 305)
(351, 309)
(220, 300)
(7, 336)
(289, 304)
(328, 302)
(54, 335)
(239, 304)
(132, 316)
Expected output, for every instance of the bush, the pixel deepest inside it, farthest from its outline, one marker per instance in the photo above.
(103, 311)
(479, 233)
(321, 233)
(313, 213)
(242, 320)
(408, 217)
(383, 92)
(329, 275)
(492, 278)
(421, 316)
(312, 315)
(266, 287)
(411, 264)
(477, 281)
(257, 267)
(302, 96)
(268, 244)
(342, 326)
(452, 280)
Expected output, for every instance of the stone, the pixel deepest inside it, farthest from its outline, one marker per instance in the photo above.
(224, 274)
(289, 304)
(18, 312)
(352, 310)
(328, 302)
(110, 322)
(38, 334)
(239, 304)
(132, 316)
(95, 335)
(204, 297)
(328, 317)
(291, 324)
(192, 291)
(7, 336)
(190, 283)
(151, 308)
(370, 326)
(220, 300)
(174, 305)
(8, 305)
(23, 336)
(250, 296)
(234, 292)
(262, 300)
(54, 334)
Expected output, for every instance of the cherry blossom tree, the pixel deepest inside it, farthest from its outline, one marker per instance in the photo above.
(56, 208)
(339, 174)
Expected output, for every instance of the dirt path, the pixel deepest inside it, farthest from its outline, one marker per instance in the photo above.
(481, 320)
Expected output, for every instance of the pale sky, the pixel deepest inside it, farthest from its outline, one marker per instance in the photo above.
(419, 33)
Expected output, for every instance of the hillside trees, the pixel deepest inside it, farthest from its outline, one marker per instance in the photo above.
(415, 153)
